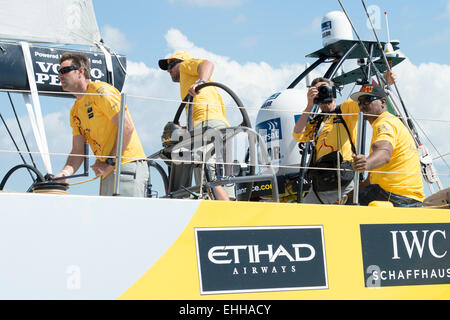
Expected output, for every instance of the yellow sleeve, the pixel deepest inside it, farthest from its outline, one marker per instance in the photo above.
(306, 135)
(108, 100)
(190, 67)
(350, 110)
(383, 131)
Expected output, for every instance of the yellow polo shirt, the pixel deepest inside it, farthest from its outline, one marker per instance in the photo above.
(208, 104)
(406, 178)
(91, 117)
(333, 136)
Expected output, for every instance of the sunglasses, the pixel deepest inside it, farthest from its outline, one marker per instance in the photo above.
(367, 100)
(67, 69)
(172, 63)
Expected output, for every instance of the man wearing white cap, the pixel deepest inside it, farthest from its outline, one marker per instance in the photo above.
(393, 162)
(208, 107)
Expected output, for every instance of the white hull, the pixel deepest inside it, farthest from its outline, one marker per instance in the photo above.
(83, 247)
(89, 247)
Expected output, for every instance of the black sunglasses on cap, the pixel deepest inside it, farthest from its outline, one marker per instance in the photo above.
(64, 70)
(172, 63)
(367, 100)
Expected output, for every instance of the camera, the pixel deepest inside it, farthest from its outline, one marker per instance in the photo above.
(326, 94)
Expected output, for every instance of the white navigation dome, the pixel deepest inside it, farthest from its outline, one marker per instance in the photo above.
(335, 27)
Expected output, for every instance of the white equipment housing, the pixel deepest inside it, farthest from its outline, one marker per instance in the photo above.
(335, 27)
(275, 123)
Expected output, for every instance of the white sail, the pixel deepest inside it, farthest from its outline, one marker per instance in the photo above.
(51, 21)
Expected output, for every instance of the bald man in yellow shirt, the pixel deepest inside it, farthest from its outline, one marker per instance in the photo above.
(208, 107)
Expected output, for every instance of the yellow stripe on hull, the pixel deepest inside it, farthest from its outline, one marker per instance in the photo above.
(176, 274)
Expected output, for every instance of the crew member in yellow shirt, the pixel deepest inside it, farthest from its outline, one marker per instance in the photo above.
(208, 107)
(393, 162)
(329, 134)
(94, 118)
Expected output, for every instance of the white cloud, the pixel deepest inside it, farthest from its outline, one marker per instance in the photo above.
(115, 39)
(424, 89)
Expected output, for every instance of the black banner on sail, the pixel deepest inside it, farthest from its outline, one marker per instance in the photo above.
(13, 73)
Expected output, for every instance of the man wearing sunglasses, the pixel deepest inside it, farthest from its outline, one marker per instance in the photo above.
(393, 162)
(208, 108)
(94, 118)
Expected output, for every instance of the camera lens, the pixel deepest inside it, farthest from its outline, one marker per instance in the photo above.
(325, 94)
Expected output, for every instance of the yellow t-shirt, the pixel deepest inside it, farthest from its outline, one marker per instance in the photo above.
(404, 159)
(208, 103)
(333, 136)
(91, 117)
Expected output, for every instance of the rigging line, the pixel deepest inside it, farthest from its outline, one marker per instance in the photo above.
(432, 144)
(21, 131)
(114, 53)
(388, 67)
(415, 120)
(442, 156)
(351, 91)
(15, 144)
(360, 41)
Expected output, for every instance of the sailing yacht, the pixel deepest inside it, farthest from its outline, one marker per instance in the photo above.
(181, 245)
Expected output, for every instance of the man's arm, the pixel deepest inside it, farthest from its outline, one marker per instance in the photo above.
(303, 120)
(205, 70)
(75, 158)
(380, 155)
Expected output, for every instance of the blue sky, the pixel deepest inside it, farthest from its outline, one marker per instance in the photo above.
(272, 31)
(258, 48)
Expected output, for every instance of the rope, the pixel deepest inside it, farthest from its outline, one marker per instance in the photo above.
(50, 191)
(85, 181)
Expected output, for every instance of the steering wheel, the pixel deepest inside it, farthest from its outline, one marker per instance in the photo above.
(245, 119)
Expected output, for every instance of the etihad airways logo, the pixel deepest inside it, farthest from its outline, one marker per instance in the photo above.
(261, 259)
(253, 253)
(406, 254)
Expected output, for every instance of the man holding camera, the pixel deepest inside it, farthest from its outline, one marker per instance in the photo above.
(332, 135)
